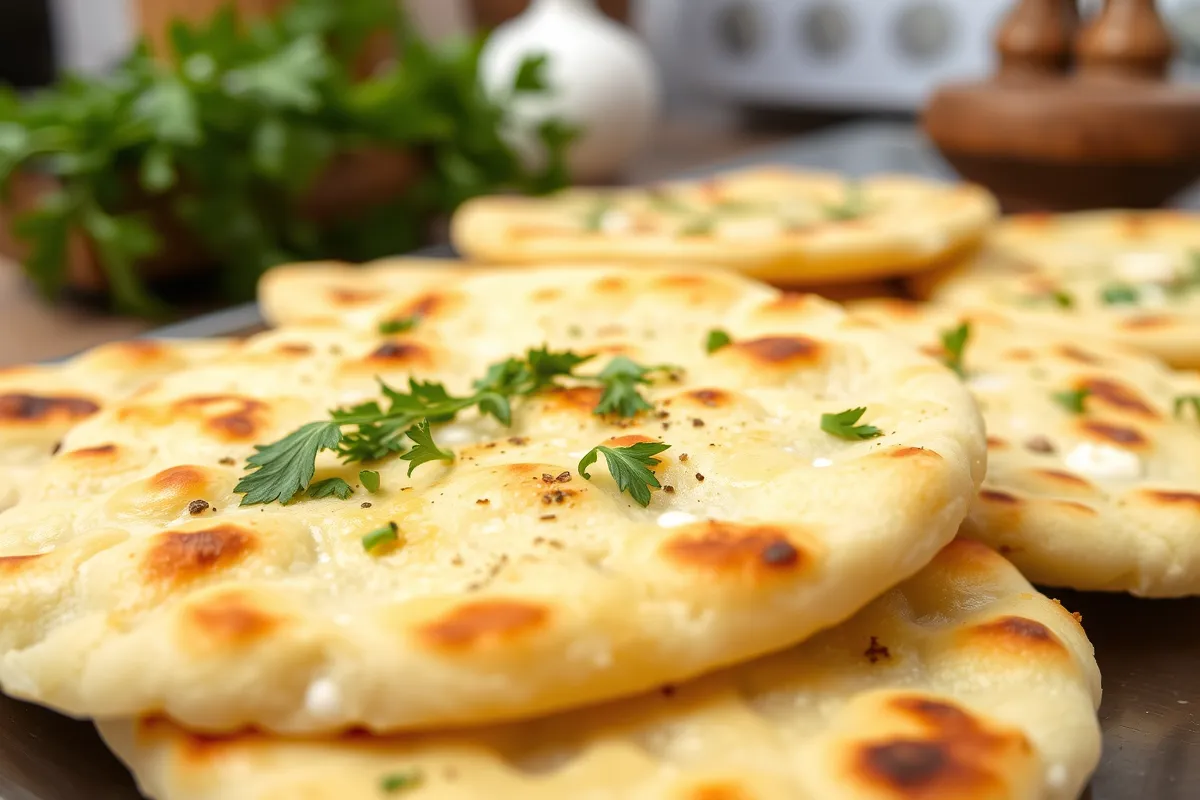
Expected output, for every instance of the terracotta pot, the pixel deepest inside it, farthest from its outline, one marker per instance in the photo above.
(353, 182)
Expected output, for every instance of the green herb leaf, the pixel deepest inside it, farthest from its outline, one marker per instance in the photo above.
(621, 379)
(717, 339)
(1055, 297)
(393, 326)
(330, 487)
(370, 480)
(954, 342)
(593, 220)
(1072, 400)
(843, 425)
(424, 448)
(286, 467)
(629, 467)
(531, 75)
(380, 537)
(1186, 401)
(1119, 294)
(701, 226)
(852, 206)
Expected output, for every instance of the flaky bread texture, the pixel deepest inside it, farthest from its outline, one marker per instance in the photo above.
(773, 223)
(961, 683)
(519, 588)
(1107, 499)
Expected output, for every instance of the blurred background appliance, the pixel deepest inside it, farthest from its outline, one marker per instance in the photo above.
(861, 55)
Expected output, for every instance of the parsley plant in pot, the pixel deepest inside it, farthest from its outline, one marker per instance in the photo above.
(254, 144)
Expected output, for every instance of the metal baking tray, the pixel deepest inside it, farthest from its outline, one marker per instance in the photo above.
(1149, 655)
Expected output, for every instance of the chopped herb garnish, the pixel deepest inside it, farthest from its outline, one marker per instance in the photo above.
(424, 448)
(391, 326)
(369, 480)
(621, 379)
(629, 467)
(381, 536)
(1055, 297)
(593, 221)
(852, 206)
(663, 200)
(330, 487)
(843, 425)
(1185, 401)
(1117, 294)
(717, 339)
(368, 431)
(1072, 400)
(701, 226)
(1189, 280)
(954, 342)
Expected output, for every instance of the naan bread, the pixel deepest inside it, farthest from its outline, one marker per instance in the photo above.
(1104, 500)
(783, 225)
(1128, 277)
(962, 683)
(519, 587)
(40, 403)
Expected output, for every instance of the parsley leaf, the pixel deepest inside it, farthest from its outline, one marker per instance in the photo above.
(531, 75)
(1116, 294)
(370, 480)
(424, 448)
(629, 467)
(717, 339)
(621, 378)
(954, 342)
(1056, 297)
(843, 425)
(701, 226)
(852, 206)
(286, 467)
(1072, 400)
(330, 487)
(1183, 402)
(381, 536)
(402, 325)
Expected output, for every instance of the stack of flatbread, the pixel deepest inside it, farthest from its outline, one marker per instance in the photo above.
(770, 604)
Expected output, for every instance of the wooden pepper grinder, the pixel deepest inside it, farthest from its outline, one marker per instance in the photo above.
(1126, 40)
(1036, 38)
(1046, 138)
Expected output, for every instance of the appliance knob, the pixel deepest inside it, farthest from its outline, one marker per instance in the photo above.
(924, 31)
(738, 29)
(827, 29)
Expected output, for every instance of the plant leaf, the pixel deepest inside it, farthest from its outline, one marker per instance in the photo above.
(629, 467)
(424, 448)
(330, 487)
(287, 466)
(843, 425)
(717, 339)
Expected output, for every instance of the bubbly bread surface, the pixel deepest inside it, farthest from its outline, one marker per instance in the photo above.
(776, 223)
(1093, 451)
(1130, 277)
(134, 581)
(39, 403)
(963, 682)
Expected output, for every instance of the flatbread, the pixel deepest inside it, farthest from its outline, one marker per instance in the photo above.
(962, 683)
(1129, 277)
(39, 403)
(782, 225)
(362, 296)
(519, 587)
(1104, 500)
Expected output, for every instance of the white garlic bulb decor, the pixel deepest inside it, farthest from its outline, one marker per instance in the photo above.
(603, 81)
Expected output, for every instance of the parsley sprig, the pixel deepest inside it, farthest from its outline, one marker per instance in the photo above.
(717, 340)
(954, 342)
(368, 431)
(844, 425)
(629, 467)
(1185, 401)
(401, 781)
(1072, 399)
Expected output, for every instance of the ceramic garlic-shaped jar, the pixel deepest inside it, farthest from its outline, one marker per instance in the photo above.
(602, 78)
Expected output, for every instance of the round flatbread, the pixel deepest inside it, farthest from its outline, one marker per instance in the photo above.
(136, 583)
(1097, 491)
(40, 403)
(781, 225)
(961, 683)
(1129, 277)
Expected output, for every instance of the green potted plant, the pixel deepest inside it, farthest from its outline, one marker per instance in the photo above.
(254, 142)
